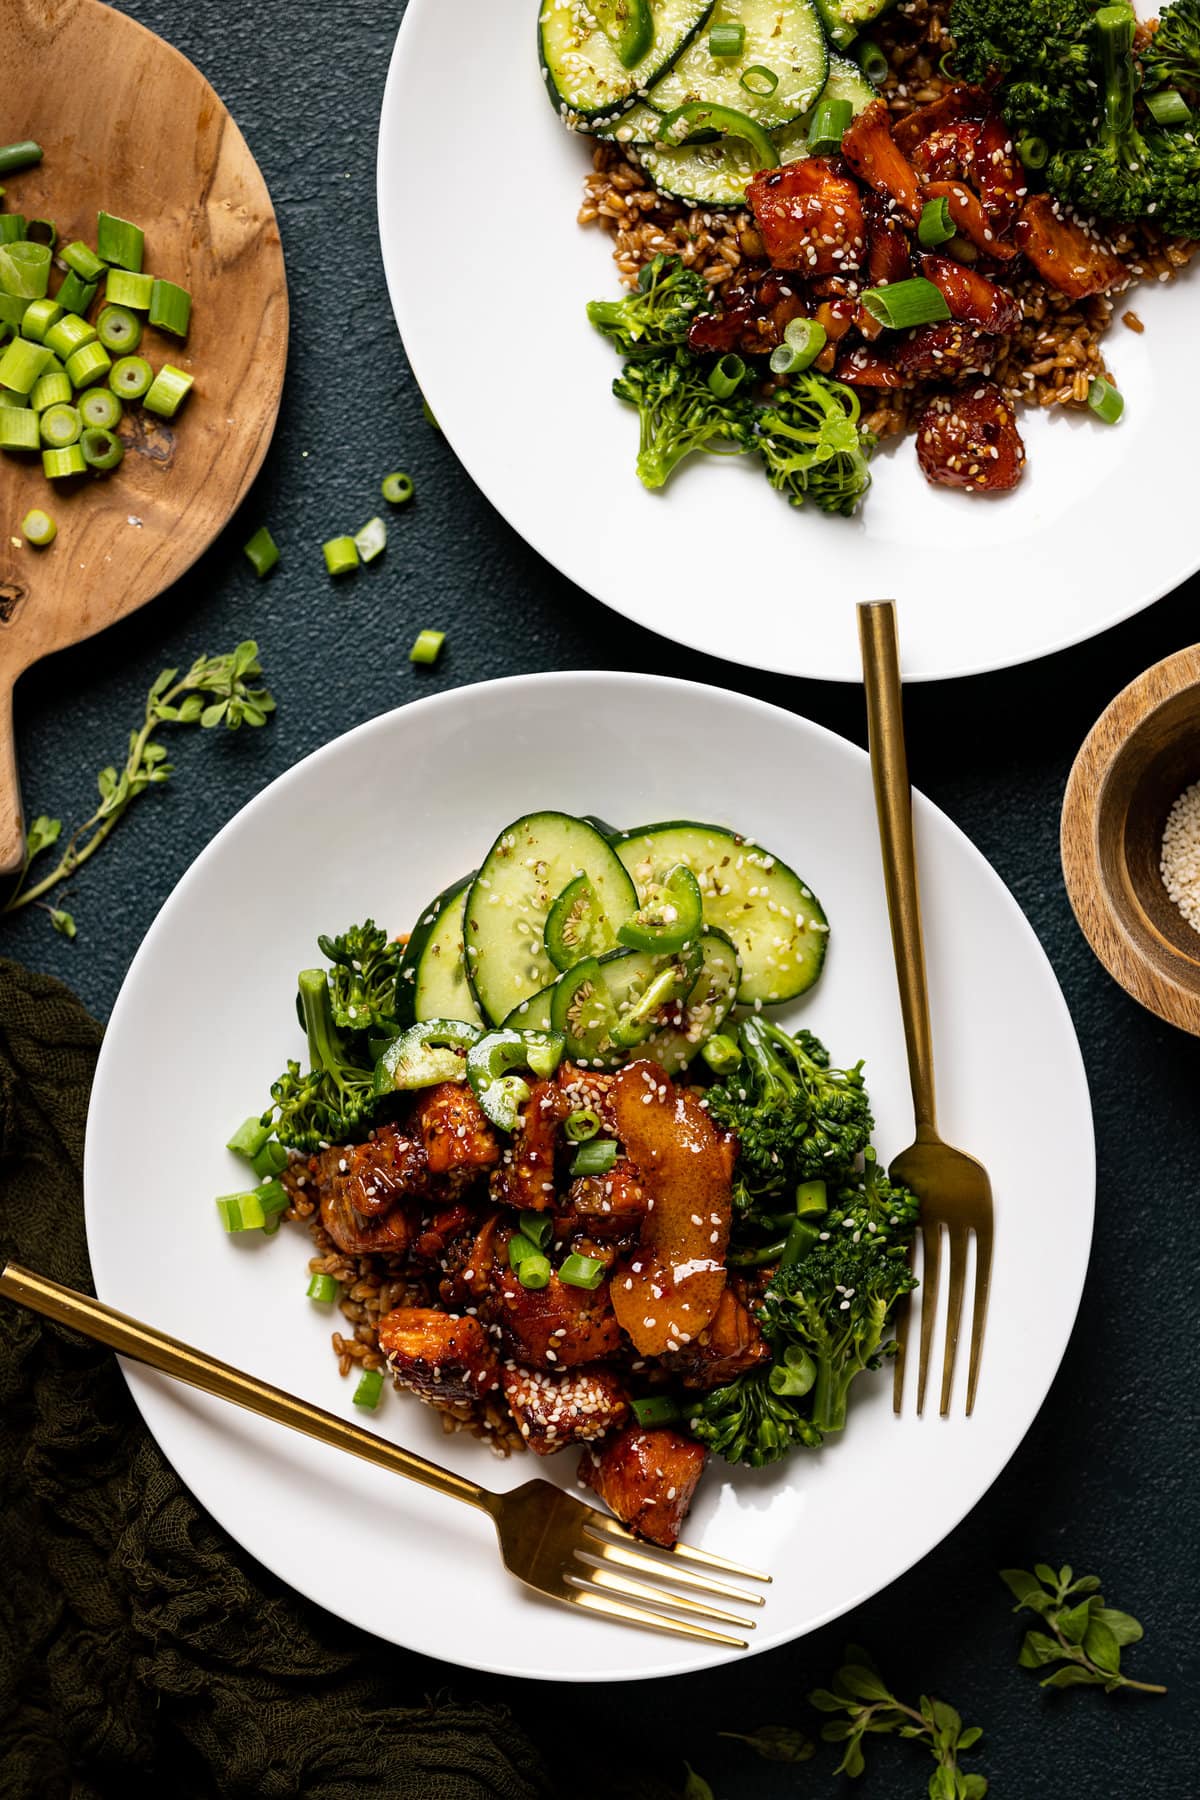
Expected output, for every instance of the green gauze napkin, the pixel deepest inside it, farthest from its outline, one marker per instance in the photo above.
(141, 1652)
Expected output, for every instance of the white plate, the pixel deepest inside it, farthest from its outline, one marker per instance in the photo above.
(489, 275)
(377, 822)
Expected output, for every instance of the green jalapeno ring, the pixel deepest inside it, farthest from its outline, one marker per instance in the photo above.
(425, 1054)
(672, 917)
(500, 1094)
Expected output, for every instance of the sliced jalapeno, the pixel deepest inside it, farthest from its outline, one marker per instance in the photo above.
(581, 1007)
(727, 121)
(675, 982)
(425, 1054)
(576, 926)
(500, 1094)
(672, 916)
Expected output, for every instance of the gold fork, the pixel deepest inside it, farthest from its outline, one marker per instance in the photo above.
(548, 1539)
(953, 1188)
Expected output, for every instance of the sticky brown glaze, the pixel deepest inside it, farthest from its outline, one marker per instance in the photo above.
(966, 210)
(525, 1176)
(872, 152)
(971, 297)
(753, 316)
(943, 352)
(453, 1129)
(558, 1326)
(730, 1344)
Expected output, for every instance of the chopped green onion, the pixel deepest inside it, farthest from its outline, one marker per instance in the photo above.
(538, 1227)
(82, 261)
(1034, 152)
(323, 1289)
(273, 1197)
(829, 121)
(170, 308)
(520, 1248)
(341, 555)
(75, 296)
(936, 226)
(873, 63)
(99, 408)
(427, 647)
(727, 40)
(18, 429)
(726, 375)
(40, 315)
(61, 465)
(803, 342)
(168, 391)
(130, 378)
(119, 242)
(21, 364)
(119, 330)
(12, 313)
(759, 80)
(126, 288)
(39, 528)
(102, 450)
(51, 389)
(60, 426)
(595, 1158)
(8, 398)
(1106, 401)
(429, 418)
(534, 1271)
(721, 1053)
(271, 1160)
(255, 1211)
(582, 1272)
(19, 156)
(369, 1389)
(68, 334)
(25, 270)
(905, 303)
(794, 1375)
(249, 1138)
(1168, 107)
(12, 228)
(397, 488)
(42, 231)
(91, 362)
(655, 1409)
(757, 1259)
(582, 1124)
(811, 1197)
(262, 549)
(371, 539)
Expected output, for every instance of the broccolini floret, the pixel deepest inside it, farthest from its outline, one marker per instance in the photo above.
(746, 1421)
(656, 315)
(679, 413)
(362, 981)
(813, 447)
(1173, 56)
(1042, 51)
(334, 1101)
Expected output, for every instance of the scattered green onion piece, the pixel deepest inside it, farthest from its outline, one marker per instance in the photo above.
(759, 80)
(12, 313)
(905, 303)
(1168, 107)
(51, 389)
(534, 1271)
(655, 1409)
(427, 647)
(39, 528)
(757, 1259)
(271, 1160)
(249, 1138)
(8, 398)
(170, 308)
(341, 555)
(168, 391)
(60, 465)
(936, 225)
(42, 231)
(12, 228)
(726, 375)
(428, 416)
(119, 330)
(873, 63)
(90, 363)
(102, 450)
(1106, 401)
(582, 1272)
(273, 1198)
(519, 1248)
(59, 426)
(799, 1241)
(68, 334)
(119, 242)
(19, 156)
(40, 315)
(727, 121)
(262, 549)
(82, 260)
(19, 429)
(811, 1197)
(323, 1289)
(21, 365)
(595, 1158)
(397, 488)
(1034, 152)
(238, 1212)
(582, 1124)
(99, 408)
(371, 539)
(803, 342)
(130, 378)
(721, 1053)
(369, 1389)
(794, 1375)
(25, 270)
(124, 287)
(538, 1227)
(727, 40)
(75, 296)
(829, 121)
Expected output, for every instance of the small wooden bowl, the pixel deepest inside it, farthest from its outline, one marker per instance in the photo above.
(1135, 762)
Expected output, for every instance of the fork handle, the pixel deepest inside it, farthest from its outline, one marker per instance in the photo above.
(893, 803)
(154, 1348)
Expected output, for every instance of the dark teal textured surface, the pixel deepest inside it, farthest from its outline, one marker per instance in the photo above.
(1107, 1475)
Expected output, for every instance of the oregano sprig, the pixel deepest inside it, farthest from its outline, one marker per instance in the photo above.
(1083, 1636)
(860, 1693)
(775, 1743)
(216, 690)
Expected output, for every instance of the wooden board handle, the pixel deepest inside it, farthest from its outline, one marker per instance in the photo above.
(12, 818)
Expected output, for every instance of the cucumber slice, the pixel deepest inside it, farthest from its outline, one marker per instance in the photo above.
(783, 36)
(532, 1014)
(639, 125)
(616, 985)
(587, 82)
(432, 983)
(525, 870)
(776, 921)
(844, 19)
(845, 81)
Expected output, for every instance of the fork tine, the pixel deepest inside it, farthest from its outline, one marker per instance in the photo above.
(605, 1550)
(983, 1281)
(931, 1238)
(612, 1608)
(679, 1552)
(642, 1590)
(958, 1276)
(903, 1319)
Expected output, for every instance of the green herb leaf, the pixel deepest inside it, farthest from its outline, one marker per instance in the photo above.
(1037, 1649)
(1073, 1622)
(40, 835)
(1072, 1675)
(776, 1743)
(970, 1736)
(1124, 1629)
(864, 1684)
(695, 1787)
(824, 1701)
(974, 1787)
(1102, 1648)
(1046, 1575)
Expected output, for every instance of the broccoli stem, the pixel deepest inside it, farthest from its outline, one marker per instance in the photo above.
(1116, 25)
(830, 1392)
(324, 1047)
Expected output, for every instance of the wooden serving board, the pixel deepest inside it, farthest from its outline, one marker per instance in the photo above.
(128, 124)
